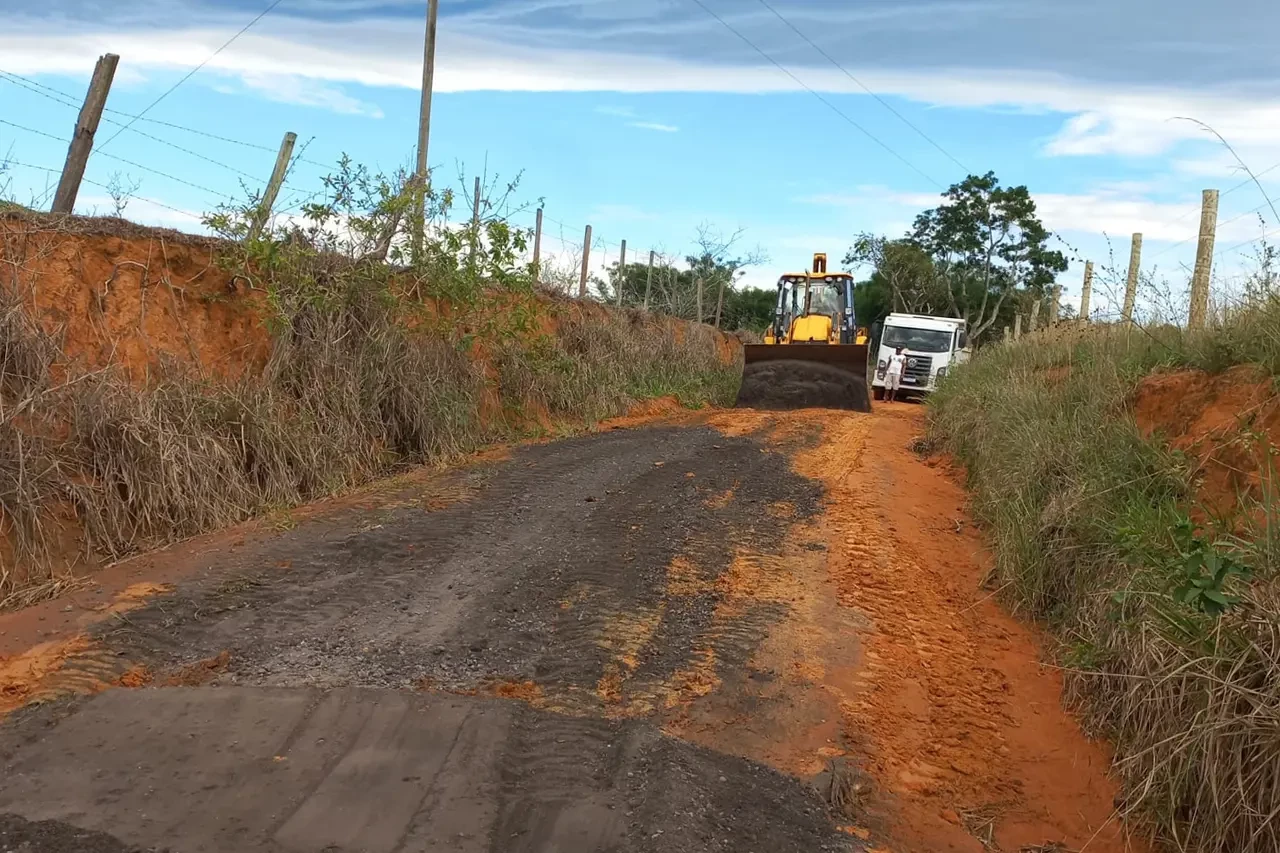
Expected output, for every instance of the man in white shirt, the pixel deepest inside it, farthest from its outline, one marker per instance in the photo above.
(893, 374)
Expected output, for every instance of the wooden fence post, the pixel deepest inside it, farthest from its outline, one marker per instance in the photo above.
(537, 247)
(622, 273)
(648, 281)
(1199, 308)
(283, 157)
(699, 305)
(586, 255)
(1086, 291)
(1131, 284)
(64, 200)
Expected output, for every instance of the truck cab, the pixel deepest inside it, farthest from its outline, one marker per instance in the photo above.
(932, 345)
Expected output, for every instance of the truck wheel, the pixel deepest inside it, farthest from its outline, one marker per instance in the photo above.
(878, 393)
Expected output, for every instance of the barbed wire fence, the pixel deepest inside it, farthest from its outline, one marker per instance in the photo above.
(575, 261)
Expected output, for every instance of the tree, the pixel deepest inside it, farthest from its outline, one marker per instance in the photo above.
(986, 244)
(714, 264)
(749, 308)
(902, 271)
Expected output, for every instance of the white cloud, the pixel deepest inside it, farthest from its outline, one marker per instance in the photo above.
(292, 89)
(653, 125)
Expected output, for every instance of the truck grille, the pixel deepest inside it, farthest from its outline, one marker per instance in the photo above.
(919, 368)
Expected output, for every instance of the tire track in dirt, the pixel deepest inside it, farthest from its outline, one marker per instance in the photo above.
(948, 711)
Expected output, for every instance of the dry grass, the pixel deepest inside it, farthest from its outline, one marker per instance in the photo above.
(349, 394)
(1080, 509)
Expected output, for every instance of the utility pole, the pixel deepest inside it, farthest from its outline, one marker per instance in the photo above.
(537, 247)
(273, 186)
(1199, 309)
(424, 129)
(64, 201)
(1131, 285)
(1086, 291)
(648, 281)
(586, 255)
(622, 273)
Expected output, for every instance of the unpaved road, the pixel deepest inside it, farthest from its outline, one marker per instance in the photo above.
(737, 631)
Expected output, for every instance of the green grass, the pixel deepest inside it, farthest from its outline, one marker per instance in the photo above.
(1088, 523)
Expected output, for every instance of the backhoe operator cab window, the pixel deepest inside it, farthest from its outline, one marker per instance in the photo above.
(824, 299)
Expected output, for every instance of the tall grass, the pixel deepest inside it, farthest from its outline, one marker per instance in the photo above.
(1090, 530)
(371, 369)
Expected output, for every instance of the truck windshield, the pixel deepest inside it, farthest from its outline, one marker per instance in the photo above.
(920, 340)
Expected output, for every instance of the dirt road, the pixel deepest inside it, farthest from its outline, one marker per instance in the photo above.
(738, 631)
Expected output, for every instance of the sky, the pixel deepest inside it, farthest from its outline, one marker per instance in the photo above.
(798, 123)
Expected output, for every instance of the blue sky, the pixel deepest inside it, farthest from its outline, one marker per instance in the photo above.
(647, 119)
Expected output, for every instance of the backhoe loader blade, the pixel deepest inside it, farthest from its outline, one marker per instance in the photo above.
(804, 376)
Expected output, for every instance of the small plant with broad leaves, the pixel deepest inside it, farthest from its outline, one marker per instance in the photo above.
(1206, 572)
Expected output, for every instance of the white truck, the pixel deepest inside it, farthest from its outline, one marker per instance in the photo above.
(932, 345)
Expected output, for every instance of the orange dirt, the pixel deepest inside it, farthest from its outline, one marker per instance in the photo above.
(23, 675)
(1227, 424)
(137, 297)
(942, 700)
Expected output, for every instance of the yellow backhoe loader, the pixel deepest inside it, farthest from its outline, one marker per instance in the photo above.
(814, 354)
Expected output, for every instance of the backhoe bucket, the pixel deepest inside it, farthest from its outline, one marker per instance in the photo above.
(804, 376)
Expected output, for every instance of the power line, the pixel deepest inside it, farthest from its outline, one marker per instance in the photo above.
(1239, 246)
(69, 101)
(849, 74)
(105, 187)
(120, 159)
(1246, 182)
(1220, 225)
(193, 71)
(815, 93)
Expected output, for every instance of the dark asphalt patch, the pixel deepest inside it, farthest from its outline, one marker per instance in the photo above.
(227, 770)
(331, 629)
(519, 583)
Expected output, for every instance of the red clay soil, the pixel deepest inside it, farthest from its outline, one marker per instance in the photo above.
(119, 294)
(916, 675)
(1226, 423)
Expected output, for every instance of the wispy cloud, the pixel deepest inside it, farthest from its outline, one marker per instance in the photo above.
(292, 89)
(653, 125)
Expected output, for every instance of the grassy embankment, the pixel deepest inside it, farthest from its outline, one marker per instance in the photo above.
(371, 368)
(1167, 614)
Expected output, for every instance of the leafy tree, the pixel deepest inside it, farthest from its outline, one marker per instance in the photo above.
(986, 243)
(903, 278)
(749, 308)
